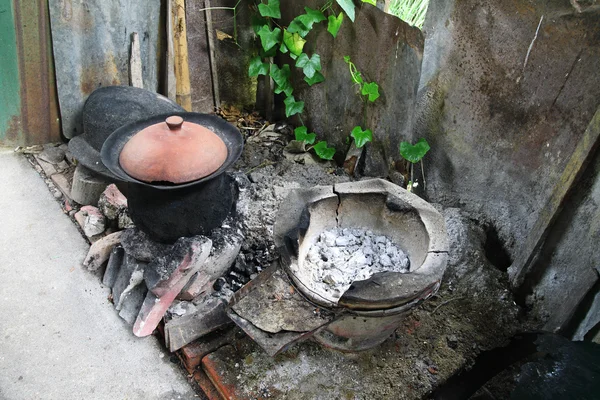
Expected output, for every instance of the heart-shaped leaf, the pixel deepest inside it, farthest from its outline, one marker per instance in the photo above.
(323, 151)
(311, 17)
(271, 9)
(371, 89)
(334, 24)
(348, 7)
(292, 106)
(294, 42)
(361, 137)
(301, 134)
(414, 153)
(298, 27)
(281, 77)
(257, 67)
(269, 38)
(318, 78)
(309, 65)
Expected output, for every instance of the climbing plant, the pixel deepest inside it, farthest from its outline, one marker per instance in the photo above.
(275, 38)
(414, 154)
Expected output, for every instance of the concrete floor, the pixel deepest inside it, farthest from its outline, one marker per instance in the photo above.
(60, 338)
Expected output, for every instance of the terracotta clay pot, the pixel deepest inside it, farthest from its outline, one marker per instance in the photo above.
(173, 151)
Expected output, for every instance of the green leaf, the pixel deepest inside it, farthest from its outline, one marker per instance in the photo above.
(271, 9)
(298, 27)
(371, 89)
(257, 22)
(311, 17)
(324, 152)
(283, 48)
(414, 153)
(371, 2)
(293, 56)
(281, 77)
(309, 65)
(318, 78)
(334, 24)
(292, 106)
(348, 7)
(294, 42)
(361, 137)
(257, 67)
(301, 135)
(269, 38)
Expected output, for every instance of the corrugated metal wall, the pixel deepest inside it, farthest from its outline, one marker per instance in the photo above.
(28, 102)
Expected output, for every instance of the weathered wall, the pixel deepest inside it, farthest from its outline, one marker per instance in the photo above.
(28, 104)
(502, 129)
(92, 41)
(385, 50)
(569, 263)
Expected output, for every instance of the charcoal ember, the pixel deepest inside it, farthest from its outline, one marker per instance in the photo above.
(219, 284)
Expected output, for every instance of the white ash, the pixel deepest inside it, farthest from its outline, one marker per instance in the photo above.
(342, 256)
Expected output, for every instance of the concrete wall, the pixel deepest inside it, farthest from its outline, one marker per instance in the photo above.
(502, 128)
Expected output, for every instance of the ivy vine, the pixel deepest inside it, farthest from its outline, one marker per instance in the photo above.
(291, 39)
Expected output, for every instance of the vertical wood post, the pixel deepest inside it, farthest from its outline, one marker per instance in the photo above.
(182, 72)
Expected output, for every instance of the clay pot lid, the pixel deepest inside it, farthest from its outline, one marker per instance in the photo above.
(174, 151)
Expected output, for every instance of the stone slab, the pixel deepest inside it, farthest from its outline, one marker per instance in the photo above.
(113, 267)
(100, 251)
(131, 274)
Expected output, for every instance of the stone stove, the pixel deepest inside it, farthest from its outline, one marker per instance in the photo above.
(283, 307)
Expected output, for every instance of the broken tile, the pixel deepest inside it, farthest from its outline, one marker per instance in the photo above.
(166, 271)
(192, 354)
(112, 202)
(100, 251)
(62, 183)
(130, 275)
(218, 263)
(131, 303)
(114, 265)
(154, 307)
(48, 168)
(209, 316)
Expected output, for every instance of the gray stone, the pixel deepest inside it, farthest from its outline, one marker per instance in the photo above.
(94, 223)
(113, 267)
(137, 244)
(52, 155)
(87, 186)
(389, 53)
(130, 275)
(478, 96)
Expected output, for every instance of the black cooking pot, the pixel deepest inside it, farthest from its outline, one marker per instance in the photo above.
(167, 211)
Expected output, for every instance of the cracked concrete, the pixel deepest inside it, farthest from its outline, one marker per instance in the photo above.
(60, 338)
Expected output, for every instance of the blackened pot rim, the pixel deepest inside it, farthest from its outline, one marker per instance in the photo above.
(116, 141)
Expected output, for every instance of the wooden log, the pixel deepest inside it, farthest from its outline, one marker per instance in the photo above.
(182, 72)
(135, 63)
(575, 166)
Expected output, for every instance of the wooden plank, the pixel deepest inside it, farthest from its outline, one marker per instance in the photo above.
(211, 48)
(135, 63)
(170, 70)
(182, 72)
(573, 170)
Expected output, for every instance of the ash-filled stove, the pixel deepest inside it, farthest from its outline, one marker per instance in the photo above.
(306, 295)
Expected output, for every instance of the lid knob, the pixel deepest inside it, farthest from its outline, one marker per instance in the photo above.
(174, 122)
